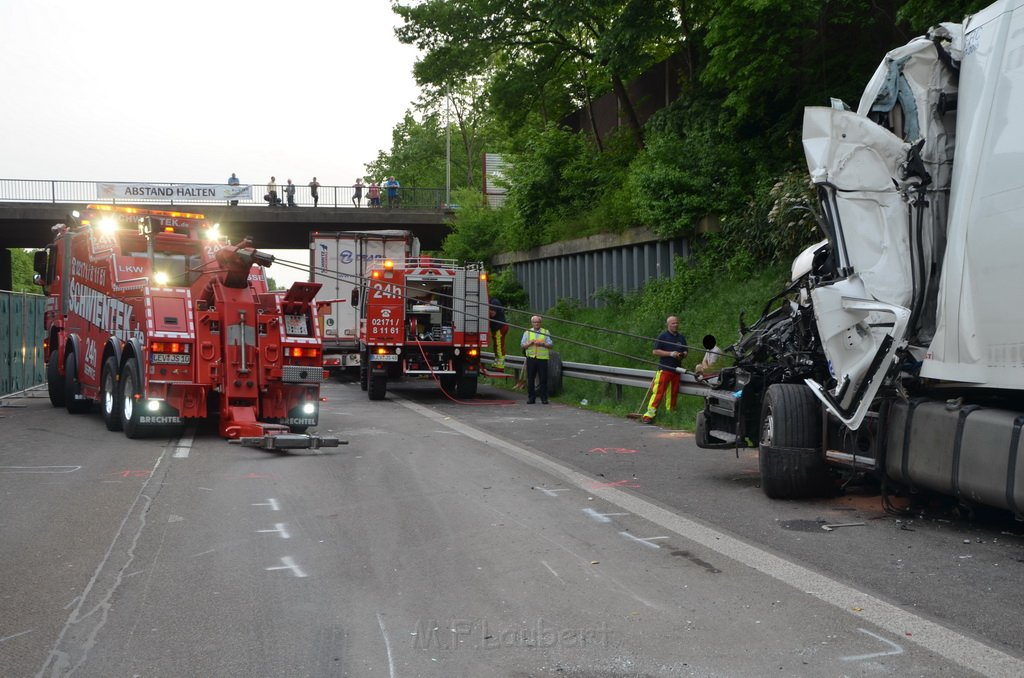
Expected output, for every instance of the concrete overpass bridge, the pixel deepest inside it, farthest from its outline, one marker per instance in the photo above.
(28, 210)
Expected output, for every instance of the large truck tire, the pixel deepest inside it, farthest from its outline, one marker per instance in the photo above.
(54, 382)
(364, 370)
(72, 386)
(378, 387)
(130, 397)
(466, 387)
(449, 382)
(791, 457)
(554, 373)
(109, 401)
(700, 430)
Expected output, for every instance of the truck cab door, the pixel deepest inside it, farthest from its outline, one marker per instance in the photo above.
(862, 315)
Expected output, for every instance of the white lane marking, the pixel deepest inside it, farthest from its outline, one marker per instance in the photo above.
(553, 493)
(387, 646)
(15, 635)
(280, 529)
(272, 503)
(646, 541)
(289, 564)
(184, 445)
(970, 654)
(896, 649)
(602, 517)
(552, 571)
(39, 469)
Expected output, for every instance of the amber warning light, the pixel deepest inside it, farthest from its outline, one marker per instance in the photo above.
(300, 352)
(168, 347)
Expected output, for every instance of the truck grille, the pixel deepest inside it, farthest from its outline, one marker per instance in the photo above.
(300, 374)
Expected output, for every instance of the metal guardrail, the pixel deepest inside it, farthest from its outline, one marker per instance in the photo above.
(618, 376)
(52, 191)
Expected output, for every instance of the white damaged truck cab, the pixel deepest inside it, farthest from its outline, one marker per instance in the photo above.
(898, 347)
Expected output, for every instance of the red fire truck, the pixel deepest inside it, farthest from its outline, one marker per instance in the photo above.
(423, 316)
(156, 317)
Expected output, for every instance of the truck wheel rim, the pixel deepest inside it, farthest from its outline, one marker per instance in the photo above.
(768, 428)
(109, 404)
(129, 392)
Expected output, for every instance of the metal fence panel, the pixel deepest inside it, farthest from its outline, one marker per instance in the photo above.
(21, 341)
(582, 275)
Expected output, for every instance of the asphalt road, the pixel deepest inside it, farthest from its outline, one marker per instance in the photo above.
(486, 539)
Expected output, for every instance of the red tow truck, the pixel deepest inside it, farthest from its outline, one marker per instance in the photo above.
(423, 316)
(160, 320)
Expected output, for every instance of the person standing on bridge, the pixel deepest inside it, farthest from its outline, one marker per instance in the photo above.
(373, 194)
(314, 191)
(670, 347)
(233, 181)
(392, 185)
(289, 192)
(272, 193)
(357, 193)
(536, 344)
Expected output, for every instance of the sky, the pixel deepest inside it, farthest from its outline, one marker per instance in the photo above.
(190, 91)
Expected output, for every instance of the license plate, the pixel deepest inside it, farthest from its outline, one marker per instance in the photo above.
(171, 358)
(384, 358)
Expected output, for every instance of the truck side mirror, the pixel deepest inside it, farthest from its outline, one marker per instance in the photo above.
(355, 297)
(39, 263)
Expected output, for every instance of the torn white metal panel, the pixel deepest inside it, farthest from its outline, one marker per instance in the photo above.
(857, 160)
(860, 336)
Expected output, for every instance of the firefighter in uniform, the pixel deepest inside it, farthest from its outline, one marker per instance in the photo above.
(670, 347)
(499, 328)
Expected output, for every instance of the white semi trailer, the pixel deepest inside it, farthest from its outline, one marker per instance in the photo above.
(898, 347)
(339, 261)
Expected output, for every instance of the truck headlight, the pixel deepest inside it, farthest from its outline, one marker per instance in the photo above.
(309, 408)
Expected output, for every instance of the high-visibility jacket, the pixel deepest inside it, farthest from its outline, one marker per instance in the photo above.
(539, 352)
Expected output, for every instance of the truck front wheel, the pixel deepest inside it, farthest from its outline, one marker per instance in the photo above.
(791, 458)
(108, 395)
(54, 382)
(73, 387)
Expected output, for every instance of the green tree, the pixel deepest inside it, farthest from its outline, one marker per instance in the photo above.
(749, 69)
(923, 14)
(21, 271)
(478, 232)
(417, 153)
(581, 47)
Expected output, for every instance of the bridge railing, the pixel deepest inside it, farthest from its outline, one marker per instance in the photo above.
(54, 191)
(21, 341)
